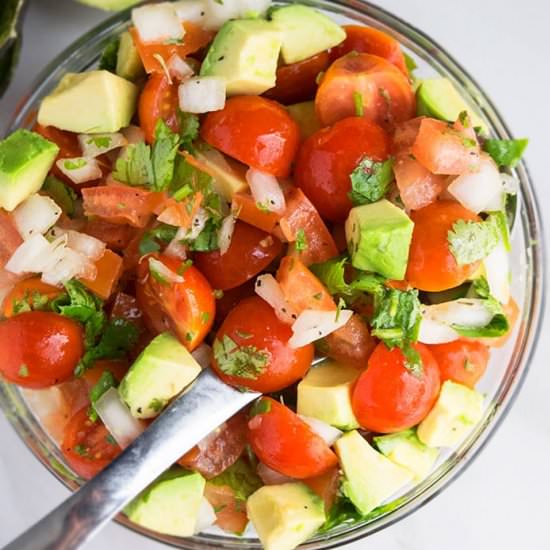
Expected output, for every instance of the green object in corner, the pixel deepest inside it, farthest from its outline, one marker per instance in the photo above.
(111, 5)
(10, 39)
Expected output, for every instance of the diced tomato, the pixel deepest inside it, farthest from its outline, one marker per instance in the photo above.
(230, 511)
(248, 211)
(115, 235)
(180, 214)
(405, 134)
(9, 237)
(28, 290)
(126, 307)
(109, 270)
(339, 235)
(325, 486)
(232, 297)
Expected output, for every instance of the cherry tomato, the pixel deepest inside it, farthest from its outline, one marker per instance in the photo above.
(257, 131)
(285, 443)
(385, 92)
(263, 360)
(248, 211)
(188, 308)
(39, 349)
(87, 446)
(108, 273)
(461, 361)
(432, 266)
(231, 297)
(250, 252)
(327, 158)
(114, 235)
(388, 397)
(230, 510)
(28, 290)
(298, 82)
(368, 40)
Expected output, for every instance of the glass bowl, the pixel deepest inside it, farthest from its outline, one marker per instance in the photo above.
(510, 363)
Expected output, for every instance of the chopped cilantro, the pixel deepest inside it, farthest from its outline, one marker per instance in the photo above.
(243, 334)
(205, 317)
(471, 241)
(30, 301)
(106, 381)
(301, 241)
(341, 305)
(182, 193)
(157, 405)
(75, 164)
(62, 194)
(163, 156)
(110, 440)
(370, 181)
(189, 129)
(358, 103)
(189, 336)
(184, 266)
(410, 63)
(101, 142)
(23, 371)
(240, 361)
(154, 238)
(506, 152)
(261, 406)
(108, 59)
(135, 168)
(80, 450)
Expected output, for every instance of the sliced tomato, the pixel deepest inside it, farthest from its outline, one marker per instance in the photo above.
(248, 211)
(255, 130)
(115, 235)
(9, 237)
(28, 291)
(251, 349)
(285, 443)
(298, 82)
(326, 486)
(230, 510)
(250, 252)
(181, 213)
(383, 90)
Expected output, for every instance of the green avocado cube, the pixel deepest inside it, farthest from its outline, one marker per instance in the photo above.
(379, 237)
(128, 63)
(25, 160)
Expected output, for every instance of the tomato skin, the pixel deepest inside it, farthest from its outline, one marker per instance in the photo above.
(255, 130)
(461, 361)
(48, 344)
(432, 266)
(86, 445)
(114, 235)
(250, 252)
(24, 290)
(230, 511)
(254, 323)
(387, 397)
(285, 443)
(327, 158)
(9, 237)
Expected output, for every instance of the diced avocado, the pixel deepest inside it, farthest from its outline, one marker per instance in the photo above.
(93, 102)
(25, 160)
(457, 410)
(245, 53)
(325, 394)
(160, 372)
(404, 448)
(438, 98)
(370, 477)
(305, 116)
(170, 505)
(379, 236)
(306, 32)
(285, 515)
(128, 64)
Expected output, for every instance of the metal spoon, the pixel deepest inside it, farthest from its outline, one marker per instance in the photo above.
(207, 403)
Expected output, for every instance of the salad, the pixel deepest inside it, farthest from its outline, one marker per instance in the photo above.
(257, 190)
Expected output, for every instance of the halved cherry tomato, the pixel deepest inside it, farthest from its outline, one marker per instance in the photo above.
(230, 510)
(250, 252)
(256, 131)
(285, 443)
(384, 91)
(126, 307)
(461, 361)
(40, 348)
(109, 270)
(232, 297)
(298, 82)
(325, 486)
(87, 446)
(432, 266)
(9, 237)
(248, 211)
(115, 235)
(368, 40)
(188, 308)
(388, 397)
(262, 360)
(28, 290)
(327, 158)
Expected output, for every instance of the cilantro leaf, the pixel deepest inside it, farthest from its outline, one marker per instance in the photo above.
(106, 381)
(241, 361)
(506, 152)
(471, 241)
(370, 181)
(162, 234)
(62, 194)
(30, 301)
(241, 477)
(301, 243)
(410, 63)
(109, 56)
(135, 167)
(163, 156)
(189, 129)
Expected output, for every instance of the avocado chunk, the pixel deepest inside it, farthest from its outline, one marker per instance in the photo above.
(305, 116)
(93, 102)
(161, 371)
(25, 160)
(438, 98)
(379, 236)
(306, 32)
(404, 448)
(171, 504)
(285, 515)
(245, 53)
(325, 394)
(370, 477)
(128, 64)
(457, 410)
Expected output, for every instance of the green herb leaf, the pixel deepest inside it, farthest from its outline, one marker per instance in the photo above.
(62, 194)
(30, 301)
(358, 103)
(108, 59)
(165, 149)
(471, 241)
(370, 181)
(154, 238)
(135, 167)
(241, 477)
(506, 152)
(101, 142)
(301, 241)
(207, 241)
(105, 382)
(74, 164)
(410, 63)
(241, 361)
(261, 406)
(23, 371)
(189, 129)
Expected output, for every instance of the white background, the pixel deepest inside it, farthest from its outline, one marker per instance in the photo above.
(502, 501)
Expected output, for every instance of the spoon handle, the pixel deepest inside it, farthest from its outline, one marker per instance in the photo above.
(202, 408)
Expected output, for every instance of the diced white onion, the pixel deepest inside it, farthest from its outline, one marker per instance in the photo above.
(497, 271)
(36, 215)
(190, 10)
(206, 516)
(157, 22)
(270, 476)
(202, 94)
(434, 332)
(329, 433)
(218, 13)
(268, 288)
(176, 249)
(117, 418)
(253, 8)
(203, 355)
(70, 265)
(88, 246)
(226, 233)
(80, 169)
(133, 134)
(467, 312)
(312, 325)
(178, 68)
(164, 272)
(32, 256)
(93, 145)
(266, 190)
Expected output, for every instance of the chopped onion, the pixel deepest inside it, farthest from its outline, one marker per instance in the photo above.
(158, 23)
(266, 190)
(93, 145)
(163, 272)
(198, 223)
(176, 249)
(253, 8)
(35, 215)
(434, 332)
(497, 271)
(329, 433)
(268, 288)
(226, 233)
(88, 246)
(117, 418)
(190, 10)
(312, 325)
(178, 68)
(203, 355)
(34, 255)
(270, 476)
(467, 312)
(133, 134)
(80, 169)
(202, 94)
(216, 13)
(70, 265)
(206, 516)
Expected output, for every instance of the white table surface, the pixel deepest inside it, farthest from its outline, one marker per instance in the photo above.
(502, 500)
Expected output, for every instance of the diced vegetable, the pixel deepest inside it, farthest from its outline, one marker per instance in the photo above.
(157, 23)
(202, 94)
(35, 215)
